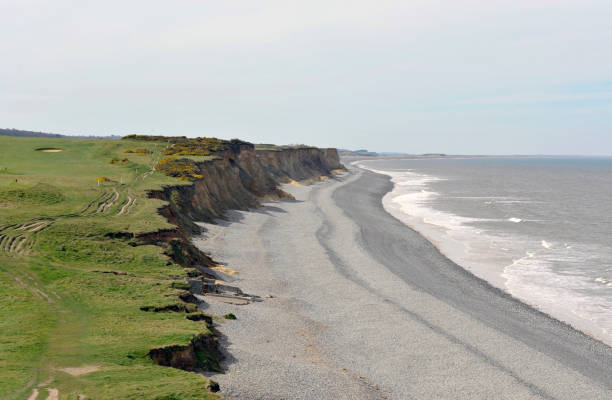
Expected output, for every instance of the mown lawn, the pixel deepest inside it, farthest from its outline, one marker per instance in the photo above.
(70, 291)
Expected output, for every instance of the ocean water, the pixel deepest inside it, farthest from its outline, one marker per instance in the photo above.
(539, 228)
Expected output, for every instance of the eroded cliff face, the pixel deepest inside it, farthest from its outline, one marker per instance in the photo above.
(238, 179)
(202, 353)
(300, 164)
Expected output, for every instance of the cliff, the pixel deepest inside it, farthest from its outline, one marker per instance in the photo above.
(238, 178)
(300, 163)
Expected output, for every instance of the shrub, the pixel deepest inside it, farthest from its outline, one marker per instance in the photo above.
(229, 316)
(181, 168)
(183, 146)
(197, 147)
(138, 151)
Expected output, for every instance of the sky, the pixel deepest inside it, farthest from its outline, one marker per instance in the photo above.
(454, 76)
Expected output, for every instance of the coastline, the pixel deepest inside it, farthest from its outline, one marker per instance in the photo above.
(362, 306)
(496, 276)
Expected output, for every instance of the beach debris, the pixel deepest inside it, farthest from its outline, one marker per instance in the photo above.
(205, 289)
(238, 301)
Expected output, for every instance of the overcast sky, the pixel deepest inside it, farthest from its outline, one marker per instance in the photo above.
(454, 76)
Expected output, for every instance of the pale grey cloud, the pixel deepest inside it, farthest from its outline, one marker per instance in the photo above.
(464, 76)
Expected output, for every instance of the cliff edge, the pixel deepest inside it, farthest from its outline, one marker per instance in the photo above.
(238, 178)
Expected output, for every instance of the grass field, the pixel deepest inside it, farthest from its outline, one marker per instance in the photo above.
(67, 322)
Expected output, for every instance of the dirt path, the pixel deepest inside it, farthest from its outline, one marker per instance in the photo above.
(126, 207)
(21, 239)
(53, 394)
(107, 206)
(33, 395)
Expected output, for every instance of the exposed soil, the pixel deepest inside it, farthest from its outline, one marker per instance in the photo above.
(82, 370)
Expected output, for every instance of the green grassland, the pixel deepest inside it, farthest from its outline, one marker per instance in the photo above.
(70, 290)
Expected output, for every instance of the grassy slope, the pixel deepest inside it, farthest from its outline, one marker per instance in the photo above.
(55, 309)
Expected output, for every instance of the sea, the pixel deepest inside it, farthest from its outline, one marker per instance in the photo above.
(539, 228)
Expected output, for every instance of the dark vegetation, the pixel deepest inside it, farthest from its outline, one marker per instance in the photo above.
(22, 133)
(197, 147)
(200, 146)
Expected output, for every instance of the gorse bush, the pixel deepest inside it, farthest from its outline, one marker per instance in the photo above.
(197, 147)
(138, 151)
(182, 168)
(183, 146)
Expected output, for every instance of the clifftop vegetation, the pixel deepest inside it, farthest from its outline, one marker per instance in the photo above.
(182, 168)
(75, 278)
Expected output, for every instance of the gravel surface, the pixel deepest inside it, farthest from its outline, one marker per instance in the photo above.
(363, 307)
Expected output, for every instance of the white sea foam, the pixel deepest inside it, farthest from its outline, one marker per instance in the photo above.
(568, 297)
(519, 264)
(455, 235)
